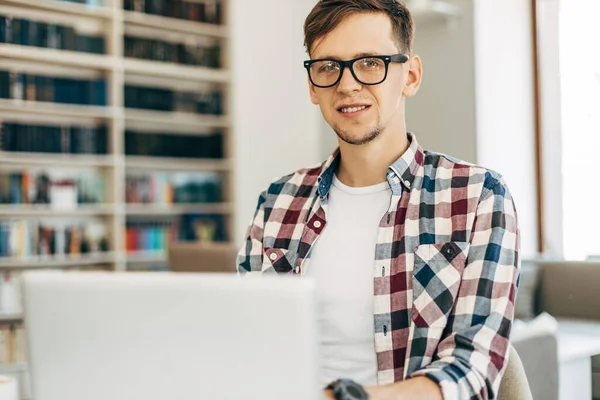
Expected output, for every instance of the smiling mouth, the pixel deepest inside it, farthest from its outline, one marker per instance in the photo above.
(347, 110)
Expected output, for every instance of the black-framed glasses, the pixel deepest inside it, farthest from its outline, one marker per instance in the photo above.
(368, 70)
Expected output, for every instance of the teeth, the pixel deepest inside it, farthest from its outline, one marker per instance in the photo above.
(353, 109)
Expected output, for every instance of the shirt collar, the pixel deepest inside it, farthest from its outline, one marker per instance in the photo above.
(401, 173)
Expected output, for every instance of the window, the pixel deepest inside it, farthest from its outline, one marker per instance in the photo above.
(579, 62)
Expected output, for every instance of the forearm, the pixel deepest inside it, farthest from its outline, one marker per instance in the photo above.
(420, 388)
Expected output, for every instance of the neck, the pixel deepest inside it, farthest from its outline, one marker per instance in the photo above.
(367, 164)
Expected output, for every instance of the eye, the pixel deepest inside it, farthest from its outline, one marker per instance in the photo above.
(371, 63)
(329, 66)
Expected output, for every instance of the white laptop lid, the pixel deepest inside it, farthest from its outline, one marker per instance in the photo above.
(157, 336)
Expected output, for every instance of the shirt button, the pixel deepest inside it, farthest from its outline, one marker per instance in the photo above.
(273, 256)
(317, 224)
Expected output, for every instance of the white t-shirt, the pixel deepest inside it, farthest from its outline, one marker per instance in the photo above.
(343, 266)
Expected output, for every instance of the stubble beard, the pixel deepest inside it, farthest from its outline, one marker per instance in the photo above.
(370, 135)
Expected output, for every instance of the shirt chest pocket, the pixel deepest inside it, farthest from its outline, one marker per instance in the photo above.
(437, 276)
(280, 260)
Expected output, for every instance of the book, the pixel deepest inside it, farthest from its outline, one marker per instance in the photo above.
(173, 145)
(27, 32)
(174, 188)
(20, 86)
(188, 53)
(207, 102)
(208, 11)
(39, 187)
(53, 139)
(27, 238)
(5, 345)
(10, 293)
(149, 236)
(13, 347)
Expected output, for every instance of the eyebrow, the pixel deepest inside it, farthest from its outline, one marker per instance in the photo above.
(353, 57)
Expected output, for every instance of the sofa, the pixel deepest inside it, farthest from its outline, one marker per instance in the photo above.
(562, 363)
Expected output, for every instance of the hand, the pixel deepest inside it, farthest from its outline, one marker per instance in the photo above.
(328, 395)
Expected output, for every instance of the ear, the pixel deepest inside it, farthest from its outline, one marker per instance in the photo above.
(313, 92)
(413, 79)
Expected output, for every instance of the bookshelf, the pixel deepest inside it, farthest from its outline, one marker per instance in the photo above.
(113, 23)
(11, 317)
(165, 164)
(54, 57)
(65, 8)
(13, 368)
(39, 109)
(34, 210)
(180, 72)
(162, 24)
(103, 260)
(176, 209)
(147, 256)
(184, 122)
(25, 160)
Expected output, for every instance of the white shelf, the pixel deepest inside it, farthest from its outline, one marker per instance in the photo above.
(58, 261)
(63, 7)
(159, 256)
(151, 256)
(26, 160)
(176, 164)
(56, 57)
(11, 317)
(174, 71)
(166, 24)
(223, 246)
(40, 210)
(13, 368)
(175, 122)
(177, 209)
(39, 108)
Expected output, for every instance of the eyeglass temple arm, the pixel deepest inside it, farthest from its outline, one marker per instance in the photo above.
(400, 58)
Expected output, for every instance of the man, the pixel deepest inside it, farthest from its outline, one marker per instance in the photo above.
(414, 254)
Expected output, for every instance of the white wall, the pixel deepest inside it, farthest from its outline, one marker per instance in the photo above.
(552, 155)
(476, 102)
(505, 104)
(276, 127)
(442, 114)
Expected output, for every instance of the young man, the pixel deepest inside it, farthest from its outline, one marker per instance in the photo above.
(414, 254)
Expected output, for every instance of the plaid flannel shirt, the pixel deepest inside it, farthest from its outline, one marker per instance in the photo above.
(445, 266)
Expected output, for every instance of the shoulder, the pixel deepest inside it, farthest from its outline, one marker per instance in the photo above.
(461, 174)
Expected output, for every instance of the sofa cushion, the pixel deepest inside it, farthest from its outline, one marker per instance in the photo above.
(570, 289)
(526, 304)
(538, 355)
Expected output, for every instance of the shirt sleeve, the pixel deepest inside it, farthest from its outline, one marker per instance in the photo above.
(472, 355)
(250, 256)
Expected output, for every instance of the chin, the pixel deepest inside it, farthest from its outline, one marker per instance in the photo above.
(358, 138)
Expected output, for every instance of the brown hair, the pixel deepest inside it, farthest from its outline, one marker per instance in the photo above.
(327, 14)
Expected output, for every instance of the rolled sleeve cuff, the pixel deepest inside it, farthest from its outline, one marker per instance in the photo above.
(449, 384)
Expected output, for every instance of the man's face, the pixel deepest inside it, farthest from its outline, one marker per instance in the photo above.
(356, 36)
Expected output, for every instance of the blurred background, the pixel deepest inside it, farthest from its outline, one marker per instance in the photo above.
(127, 126)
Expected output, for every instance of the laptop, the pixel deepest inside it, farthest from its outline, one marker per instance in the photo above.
(198, 257)
(148, 336)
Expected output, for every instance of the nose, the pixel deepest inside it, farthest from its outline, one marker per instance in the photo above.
(348, 84)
